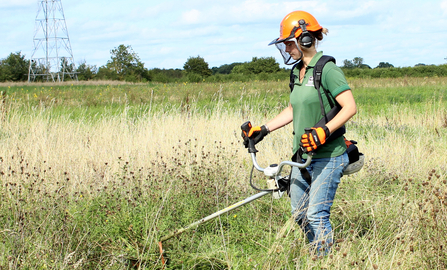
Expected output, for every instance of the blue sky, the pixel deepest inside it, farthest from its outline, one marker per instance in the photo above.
(166, 33)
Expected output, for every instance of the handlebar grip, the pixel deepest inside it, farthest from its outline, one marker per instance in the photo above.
(311, 153)
(251, 144)
(246, 127)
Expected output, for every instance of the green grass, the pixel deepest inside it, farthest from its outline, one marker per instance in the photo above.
(92, 176)
(95, 99)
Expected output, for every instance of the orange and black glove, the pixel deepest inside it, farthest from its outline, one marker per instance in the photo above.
(256, 133)
(313, 138)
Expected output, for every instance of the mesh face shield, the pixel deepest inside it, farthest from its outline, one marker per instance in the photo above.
(288, 60)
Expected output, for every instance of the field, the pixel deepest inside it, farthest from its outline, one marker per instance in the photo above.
(94, 174)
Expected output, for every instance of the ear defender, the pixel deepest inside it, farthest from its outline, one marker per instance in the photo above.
(305, 38)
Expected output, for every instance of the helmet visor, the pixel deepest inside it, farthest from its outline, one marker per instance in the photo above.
(288, 60)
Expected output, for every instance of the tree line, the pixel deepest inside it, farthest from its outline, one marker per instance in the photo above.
(357, 69)
(125, 65)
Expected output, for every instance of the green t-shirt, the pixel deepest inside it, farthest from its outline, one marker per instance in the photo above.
(306, 104)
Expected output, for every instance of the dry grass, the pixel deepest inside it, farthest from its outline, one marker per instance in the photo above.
(83, 147)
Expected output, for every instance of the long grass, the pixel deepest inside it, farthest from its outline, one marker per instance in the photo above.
(90, 185)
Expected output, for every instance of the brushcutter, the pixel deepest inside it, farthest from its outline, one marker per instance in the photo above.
(276, 184)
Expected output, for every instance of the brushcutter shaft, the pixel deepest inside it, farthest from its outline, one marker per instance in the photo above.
(214, 215)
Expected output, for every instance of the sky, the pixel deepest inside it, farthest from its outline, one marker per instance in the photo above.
(164, 34)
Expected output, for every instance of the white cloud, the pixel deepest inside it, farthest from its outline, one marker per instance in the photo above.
(17, 3)
(355, 11)
(152, 11)
(192, 16)
(238, 12)
(444, 7)
(252, 10)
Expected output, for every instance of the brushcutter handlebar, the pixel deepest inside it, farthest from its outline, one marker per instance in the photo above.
(252, 150)
(282, 164)
(277, 184)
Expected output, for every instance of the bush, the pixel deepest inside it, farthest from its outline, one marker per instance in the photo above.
(194, 78)
(257, 66)
(14, 68)
(198, 66)
(393, 72)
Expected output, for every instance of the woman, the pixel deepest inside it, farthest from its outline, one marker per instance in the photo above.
(311, 199)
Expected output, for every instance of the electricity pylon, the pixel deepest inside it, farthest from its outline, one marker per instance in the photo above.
(52, 57)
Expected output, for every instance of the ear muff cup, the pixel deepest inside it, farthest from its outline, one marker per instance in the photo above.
(305, 39)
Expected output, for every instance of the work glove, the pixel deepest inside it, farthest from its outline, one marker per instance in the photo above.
(313, 138)
(256, 134)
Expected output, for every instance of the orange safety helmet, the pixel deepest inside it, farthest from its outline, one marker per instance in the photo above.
(291, 27)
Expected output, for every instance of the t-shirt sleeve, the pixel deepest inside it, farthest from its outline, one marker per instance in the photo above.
(334, 79)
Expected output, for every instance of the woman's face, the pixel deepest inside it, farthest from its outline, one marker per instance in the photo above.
(292, 49)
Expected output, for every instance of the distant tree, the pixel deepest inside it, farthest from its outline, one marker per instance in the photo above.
(242, 69)
(86, 72)
(38, 69)
(348, 64)
(124, 65)
(197, 66)
(65, 68)
(384, 65)
(123, 57)
(257, 66)
(358, 62)
(105, 73)
(420, 65)
(225, 69)
(264, 64)
(14, 68)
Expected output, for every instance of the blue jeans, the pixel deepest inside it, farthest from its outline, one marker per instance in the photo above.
(311, 205)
